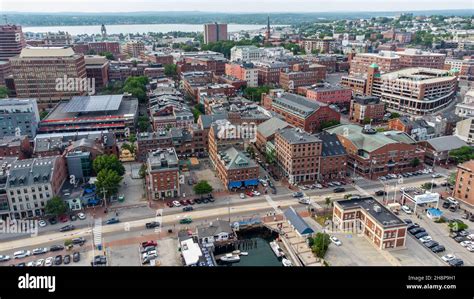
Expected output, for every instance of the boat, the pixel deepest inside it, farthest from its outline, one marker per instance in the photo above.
(230, 258)
(276, 249)
(244, 253)
(236, 252)
(286, 262)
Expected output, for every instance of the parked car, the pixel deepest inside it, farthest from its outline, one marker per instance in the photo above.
(63, 218)
(452, 201)
(4, 258)
(426, 239)
(149, 243)
(42, 223)
(187, 209)
(407, 221)
(470, 248)
(466, 243)
(421, 235)
(304, 200)
(39, 250)
(48, 262)
(256, 193)
(335, 240)
(446, 204)
(185, 221)
(112, 221)
(380, 193)
(459, 239)
(152, 224)
(183, 202)
(99, 260)
(463, 233)
(205, 200)
(412, 226)
(58, 260)
(39, 263)
(148, 249)
(416, 230)
(339, 190)
(249, 193)
(176, 203)
(67, 228)
(81, 216)
(406, 209)
(438, 249)
(53, 220)
(56, 248)
(73, 217)
(431, 244)
(198, 201)
(456, 262)
(76, 257)
(67, 259)
(242, 195)
(448, 257)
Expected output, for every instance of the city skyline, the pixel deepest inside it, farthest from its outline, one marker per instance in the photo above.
(246, 6)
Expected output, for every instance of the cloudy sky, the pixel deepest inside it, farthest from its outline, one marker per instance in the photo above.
(230, 5)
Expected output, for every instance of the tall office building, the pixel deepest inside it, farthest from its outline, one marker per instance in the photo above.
(214, 32)
(18, 117)
(11, 41)
(37, 71)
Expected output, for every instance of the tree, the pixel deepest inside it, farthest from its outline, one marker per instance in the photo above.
(320, 244)
(462, 154)
(366, 120)
(457, 225)
(3, 92)
(132, 138)
(142, 171)
(255, 93)
(55, 206)
(415, 162)
(108, 162)
(251, 152)
(107, 55)
(271, 156)
(427, 186)
(328, 124)
(394, 115)
(171, 70)
(143, 123)
(129, 147)
(137, 87)
(108, 180)
(202, 187)
(452, 178)
(197, 111)
(327, 201)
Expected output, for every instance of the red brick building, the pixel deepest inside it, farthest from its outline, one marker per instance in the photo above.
(157, 57)
(366, 109)
(302, 75)
(12, 146)
(377, 223)
(163, 177)
(327, 94)
(299, 111)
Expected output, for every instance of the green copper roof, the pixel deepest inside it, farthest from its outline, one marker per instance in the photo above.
(374, 65)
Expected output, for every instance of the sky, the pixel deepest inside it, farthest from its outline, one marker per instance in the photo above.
(230, 5)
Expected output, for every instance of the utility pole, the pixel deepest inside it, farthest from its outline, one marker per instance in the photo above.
(105, 199)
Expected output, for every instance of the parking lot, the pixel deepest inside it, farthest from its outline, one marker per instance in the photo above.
(125, 255)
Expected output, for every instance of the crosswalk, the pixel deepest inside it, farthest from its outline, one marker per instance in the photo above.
(97, 231)
(272, 203)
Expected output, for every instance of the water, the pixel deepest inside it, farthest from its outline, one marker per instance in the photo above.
(136, 28)
(261, 255)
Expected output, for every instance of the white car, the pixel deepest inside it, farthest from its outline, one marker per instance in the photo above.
(335, 240)
(176, 203)
(426, 239)
(448, 257)
(40, 250)
(39, 263)
(4, 258)
(466, 243)
(48, 262)
(256, 193)
(319, 186)
(21, 254)
(470, 248)
(406, 209)
(436, 175)
(31, 264)
(149, 254)
(452, 201)
(242, 195)
(42, 223)
(81, 216)
(471, 237)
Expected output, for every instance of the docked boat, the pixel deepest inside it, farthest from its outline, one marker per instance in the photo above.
(286, 262)
(236, 252)
(276, 249)
(230, 258)
(244, 253)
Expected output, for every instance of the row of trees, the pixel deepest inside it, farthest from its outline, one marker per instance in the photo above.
(255, 93)
(109, 172)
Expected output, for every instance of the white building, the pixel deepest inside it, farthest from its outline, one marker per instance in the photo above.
(246, 53)
(216, 231)
(465, 130)
(466, 108)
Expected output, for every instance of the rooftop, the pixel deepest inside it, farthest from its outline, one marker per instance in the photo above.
(235, 159)
(419, 75)
(378, 212)
(40, 52)
(446, 143)
(214, 228)
(298, 104)
(269, 127)
(31, 171)
(297, 136)
(163, 159)
(331, 145)
(93, 103)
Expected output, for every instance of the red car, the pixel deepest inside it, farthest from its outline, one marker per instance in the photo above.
(149, 243)
(63, 218)
(170, 204)
(249, 193)
(190, 201)
(183, 202)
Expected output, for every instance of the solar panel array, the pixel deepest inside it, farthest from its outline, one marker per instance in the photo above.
(94, 103)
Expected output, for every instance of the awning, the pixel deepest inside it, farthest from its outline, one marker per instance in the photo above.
(253, 182)
(236, 184)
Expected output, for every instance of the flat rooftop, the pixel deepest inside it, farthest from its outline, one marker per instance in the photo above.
(94, 103)
(380, 213)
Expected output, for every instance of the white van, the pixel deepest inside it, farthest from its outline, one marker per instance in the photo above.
(21, 254)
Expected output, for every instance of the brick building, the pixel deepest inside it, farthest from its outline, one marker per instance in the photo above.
(366, 109)
(243, 71)
(327, 94)
(302, 75)
(18, 147)
(378, 224)
(299, 111)
(463, 190)
(215, 32)
(163, 176)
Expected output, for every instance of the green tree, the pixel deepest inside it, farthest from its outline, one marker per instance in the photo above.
(108, 162)
(328, 124)
(271, 156)
(394, 115)
(142, 172)
(320, 244)
(107, 55)
(327, 201)
(255, 93)
(203, 187)
(366, 120)
(171, 70)
(452, 178)
(143, 123)
(3, 92)
(197, 111)
(251, 152)
(415, 162)
(55, 206)
(128, 146)
(108, 180)
(427, 186)
(137, 87)
(132, 138)
(457, 225)
(462, 154)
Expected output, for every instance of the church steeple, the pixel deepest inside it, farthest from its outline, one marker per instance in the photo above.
(267, 35)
